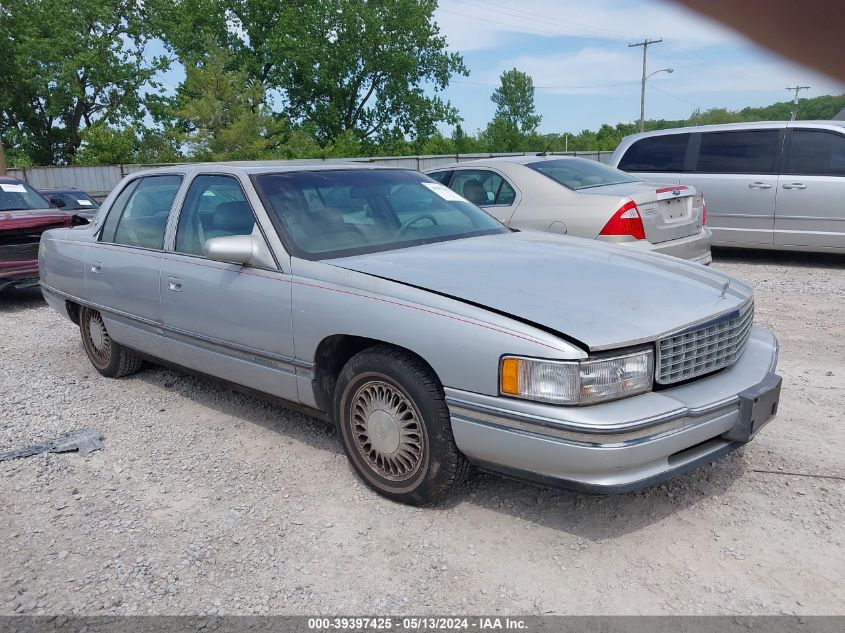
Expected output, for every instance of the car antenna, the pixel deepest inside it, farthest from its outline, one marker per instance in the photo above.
(545, 152)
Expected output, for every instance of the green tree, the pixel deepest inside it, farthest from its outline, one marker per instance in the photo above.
(436, 144)
(361, 67)
(105, 145)
(716, 115)
(223, 111)
(465, 143)
(374, 68)
(514, 100)
(64, 66)
(502, 135)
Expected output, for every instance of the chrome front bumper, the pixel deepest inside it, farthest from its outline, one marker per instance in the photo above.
(615, 446)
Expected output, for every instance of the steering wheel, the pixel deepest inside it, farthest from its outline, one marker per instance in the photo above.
(422, 216)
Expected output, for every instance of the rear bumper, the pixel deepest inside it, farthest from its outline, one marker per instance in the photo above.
(616, 446)
(694, 248)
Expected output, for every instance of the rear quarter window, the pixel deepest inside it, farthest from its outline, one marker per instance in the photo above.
(661, 153)
(816, 153)
(441, 176)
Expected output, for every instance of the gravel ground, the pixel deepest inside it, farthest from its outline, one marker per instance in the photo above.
(205, 500)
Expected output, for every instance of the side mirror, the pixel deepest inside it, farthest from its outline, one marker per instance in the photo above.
(246, 250)
(58, 203)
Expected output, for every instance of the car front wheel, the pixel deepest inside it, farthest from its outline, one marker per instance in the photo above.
(109, 357)
(394, 424)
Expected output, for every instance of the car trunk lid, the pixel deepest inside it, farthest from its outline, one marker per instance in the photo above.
(668, 213)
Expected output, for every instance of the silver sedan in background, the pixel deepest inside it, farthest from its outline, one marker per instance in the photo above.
(584, 198)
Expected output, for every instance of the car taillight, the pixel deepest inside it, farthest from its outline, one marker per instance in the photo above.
(703, 211)
(626, 221)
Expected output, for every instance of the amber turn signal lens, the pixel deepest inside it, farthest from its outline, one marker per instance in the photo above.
(510, 376)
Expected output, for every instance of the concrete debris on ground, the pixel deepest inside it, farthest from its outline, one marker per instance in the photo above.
(84, 441)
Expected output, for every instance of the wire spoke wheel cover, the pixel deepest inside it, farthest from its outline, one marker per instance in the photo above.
(97, 340)
(387, 430)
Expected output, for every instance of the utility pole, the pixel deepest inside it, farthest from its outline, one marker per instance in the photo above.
(797, 89)
(644, 44)
(2, 159)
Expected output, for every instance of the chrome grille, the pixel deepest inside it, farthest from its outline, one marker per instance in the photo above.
(704, 348)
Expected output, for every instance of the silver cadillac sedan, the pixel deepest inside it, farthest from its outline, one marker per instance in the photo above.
(432, 335)
(584, 198)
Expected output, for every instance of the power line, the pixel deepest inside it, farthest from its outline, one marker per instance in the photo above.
(522, 14)
(726, 68)
(495, 85)
(797, 89)
(669, 94)
(522, 28)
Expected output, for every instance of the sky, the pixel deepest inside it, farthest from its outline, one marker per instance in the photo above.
(585, 74)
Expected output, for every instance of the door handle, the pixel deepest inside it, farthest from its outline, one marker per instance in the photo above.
(174, 284)
(759, 185)
(795, 185)
(96, 268)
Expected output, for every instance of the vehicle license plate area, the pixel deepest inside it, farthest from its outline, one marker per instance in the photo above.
(757, 406)
(676, 209)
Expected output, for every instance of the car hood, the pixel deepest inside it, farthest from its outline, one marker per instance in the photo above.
(602, 296)
(33, 218)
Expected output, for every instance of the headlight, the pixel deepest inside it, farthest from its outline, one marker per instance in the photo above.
(576, 382)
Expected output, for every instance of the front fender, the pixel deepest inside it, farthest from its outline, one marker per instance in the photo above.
(461, 342)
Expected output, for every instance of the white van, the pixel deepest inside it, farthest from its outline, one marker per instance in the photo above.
(778, 184)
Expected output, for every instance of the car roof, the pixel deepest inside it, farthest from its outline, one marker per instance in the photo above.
(10, 180)
(262, 167)
(724, 127)
(514, 160)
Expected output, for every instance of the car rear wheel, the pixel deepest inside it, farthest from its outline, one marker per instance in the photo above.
(109, 358)
(394, 424)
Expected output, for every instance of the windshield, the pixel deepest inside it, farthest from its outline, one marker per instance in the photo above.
(17, 195)
(73, 201)
(326, 214)
(580, 173)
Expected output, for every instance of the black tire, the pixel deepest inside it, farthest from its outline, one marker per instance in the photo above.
(425, 464)
(109, 357)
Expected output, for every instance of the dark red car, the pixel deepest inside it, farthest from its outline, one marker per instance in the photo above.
(24, 215)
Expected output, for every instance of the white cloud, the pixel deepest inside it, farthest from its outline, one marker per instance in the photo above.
(480, 24)
(593, 70)
(604, 69)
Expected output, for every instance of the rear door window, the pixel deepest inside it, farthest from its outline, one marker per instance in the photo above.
(816, 153)
(139, 214)
(661, 153)
(483, 187)
(740, 152)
